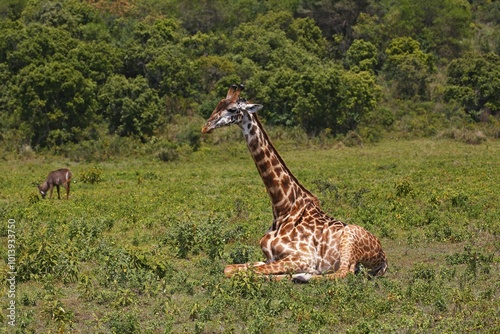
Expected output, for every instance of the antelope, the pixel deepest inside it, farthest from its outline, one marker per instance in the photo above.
(56, 178)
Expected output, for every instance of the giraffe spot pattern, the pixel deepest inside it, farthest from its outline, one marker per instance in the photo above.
(302, 238)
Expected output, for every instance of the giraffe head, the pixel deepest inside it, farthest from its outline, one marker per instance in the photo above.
(230, 110)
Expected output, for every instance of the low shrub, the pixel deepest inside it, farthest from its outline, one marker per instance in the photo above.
(91, 175)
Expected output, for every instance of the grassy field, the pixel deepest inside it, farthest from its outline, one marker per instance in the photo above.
(141, 245)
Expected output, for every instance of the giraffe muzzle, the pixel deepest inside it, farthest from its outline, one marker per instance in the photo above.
(207, 128)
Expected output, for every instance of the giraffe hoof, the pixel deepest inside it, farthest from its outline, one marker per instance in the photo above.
(301, 278)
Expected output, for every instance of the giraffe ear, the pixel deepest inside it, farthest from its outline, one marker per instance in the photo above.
(253, 108)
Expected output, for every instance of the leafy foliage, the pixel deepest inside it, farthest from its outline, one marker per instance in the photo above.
(408, 66)
(130, 105)
(91, 175)
(362, 56)
(70, 68)
(474, 82)
(438, 26)
(56, 102)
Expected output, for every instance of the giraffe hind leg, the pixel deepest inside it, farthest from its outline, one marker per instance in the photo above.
(379, 270)
(343, 271)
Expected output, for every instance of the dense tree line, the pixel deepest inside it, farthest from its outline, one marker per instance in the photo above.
(70, 67)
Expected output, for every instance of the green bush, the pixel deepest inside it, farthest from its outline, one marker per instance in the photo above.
(91, 175)
(42, 256)
(168, 152)
(126, 323)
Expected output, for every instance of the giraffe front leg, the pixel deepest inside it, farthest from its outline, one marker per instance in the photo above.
(282, 268)
(232, 269)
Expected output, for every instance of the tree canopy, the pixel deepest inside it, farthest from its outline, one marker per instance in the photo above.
(130, 66)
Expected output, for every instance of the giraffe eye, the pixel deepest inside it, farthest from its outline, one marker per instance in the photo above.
(232, 110)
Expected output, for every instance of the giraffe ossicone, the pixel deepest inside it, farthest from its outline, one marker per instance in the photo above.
(303, 242)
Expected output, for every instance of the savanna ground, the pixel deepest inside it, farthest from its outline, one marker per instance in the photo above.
(141, 245)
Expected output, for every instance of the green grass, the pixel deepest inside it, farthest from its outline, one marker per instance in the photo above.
(143, 250)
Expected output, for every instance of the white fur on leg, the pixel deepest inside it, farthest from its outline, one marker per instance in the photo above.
(301, 278)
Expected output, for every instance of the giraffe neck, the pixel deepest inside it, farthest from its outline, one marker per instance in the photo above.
(285, 191)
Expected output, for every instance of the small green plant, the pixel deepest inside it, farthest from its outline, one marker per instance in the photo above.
(403, 188)
(184, 238)
(124, 297)
(33, 198)
(59, 313)
(124, 323)
(212, 239)
(246, 284)
(28, 300)
(423, 272)
(86, 288)
(241, 254)
(459, 200)
(149, 175)
(91, 175)
(475, 260)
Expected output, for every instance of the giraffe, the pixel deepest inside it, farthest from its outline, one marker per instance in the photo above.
(303, 242)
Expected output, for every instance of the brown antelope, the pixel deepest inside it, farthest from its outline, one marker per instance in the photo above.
(56, 178)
